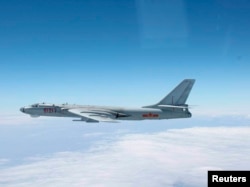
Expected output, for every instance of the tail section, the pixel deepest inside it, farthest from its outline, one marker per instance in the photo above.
(177, 97)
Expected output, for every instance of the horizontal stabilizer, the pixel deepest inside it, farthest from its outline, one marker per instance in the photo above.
(172, 106)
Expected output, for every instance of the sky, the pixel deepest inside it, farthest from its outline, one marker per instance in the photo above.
(122, 53)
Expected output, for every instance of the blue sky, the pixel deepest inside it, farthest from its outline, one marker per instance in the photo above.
(123, 53)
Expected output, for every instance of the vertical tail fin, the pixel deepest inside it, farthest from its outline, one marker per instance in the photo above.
(179, 95)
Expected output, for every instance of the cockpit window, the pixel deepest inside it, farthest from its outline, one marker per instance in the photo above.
(45, 105)
(41, 105)
(34, 105)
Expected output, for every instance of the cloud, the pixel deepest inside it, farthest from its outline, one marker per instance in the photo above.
(3, 161)
(220, 111)
(174, 158)
(93, 134)
(23, 119)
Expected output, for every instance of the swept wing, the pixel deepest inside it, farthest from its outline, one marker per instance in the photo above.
(94, 116)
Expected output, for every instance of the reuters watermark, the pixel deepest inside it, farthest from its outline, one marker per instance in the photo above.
(228, 178)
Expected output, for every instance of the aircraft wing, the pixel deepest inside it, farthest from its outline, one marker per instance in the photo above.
(93, 116)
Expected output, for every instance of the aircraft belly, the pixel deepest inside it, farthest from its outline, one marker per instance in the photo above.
(153, 115)
(142, 115)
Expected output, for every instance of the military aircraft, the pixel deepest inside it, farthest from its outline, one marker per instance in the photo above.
(170, 107)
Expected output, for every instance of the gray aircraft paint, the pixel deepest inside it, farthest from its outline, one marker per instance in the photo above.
(170, 107)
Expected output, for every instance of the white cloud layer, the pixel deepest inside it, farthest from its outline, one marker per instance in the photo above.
(173, 158)
(21, 119)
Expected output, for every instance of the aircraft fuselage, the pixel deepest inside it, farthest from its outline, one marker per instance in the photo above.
(119, 113)
(171, 106)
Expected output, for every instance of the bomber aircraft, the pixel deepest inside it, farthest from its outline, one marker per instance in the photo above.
(171, 106)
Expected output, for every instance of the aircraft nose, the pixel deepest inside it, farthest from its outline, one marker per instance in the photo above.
(22, 109)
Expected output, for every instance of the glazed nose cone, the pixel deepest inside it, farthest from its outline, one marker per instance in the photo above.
(22, 109)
